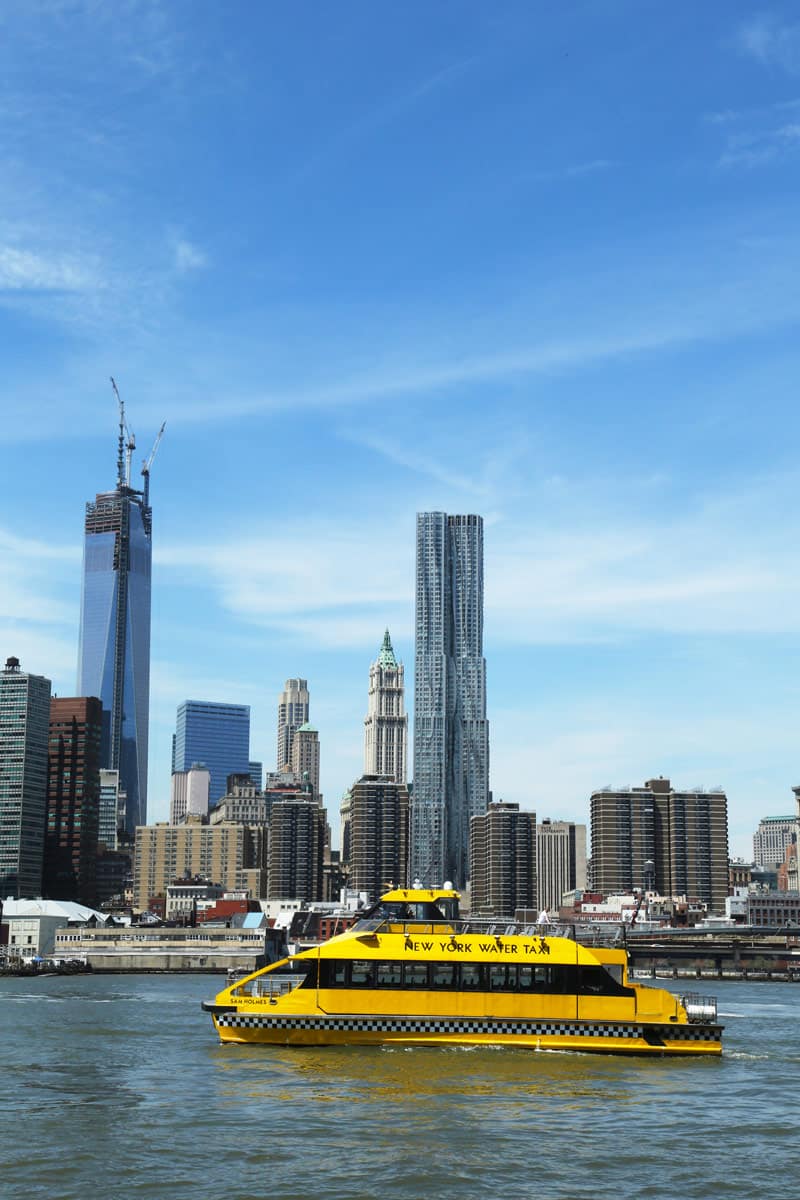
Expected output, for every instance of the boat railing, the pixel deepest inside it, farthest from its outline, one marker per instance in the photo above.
(268, 986)
(607, 934)
(700, 1009)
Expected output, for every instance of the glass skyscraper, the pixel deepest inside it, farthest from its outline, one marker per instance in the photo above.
(216, 736)
(451, 732)
(114, 650)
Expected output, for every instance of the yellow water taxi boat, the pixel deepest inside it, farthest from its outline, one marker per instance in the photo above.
(411, 972)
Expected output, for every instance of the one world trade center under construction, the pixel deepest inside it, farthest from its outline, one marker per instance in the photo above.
(114, 649)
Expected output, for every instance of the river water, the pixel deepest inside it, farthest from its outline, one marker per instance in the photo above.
(117, 1086)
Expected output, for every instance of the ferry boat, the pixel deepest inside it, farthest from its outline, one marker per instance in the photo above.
(410, 971)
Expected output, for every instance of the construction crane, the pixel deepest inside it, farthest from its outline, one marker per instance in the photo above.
(126, 447)
(148, 462)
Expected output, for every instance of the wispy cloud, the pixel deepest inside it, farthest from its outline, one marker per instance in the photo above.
(336, 582)
(759, 148)
(26, 270)
(772, 42)
(579, 170)
(729, 116)
(36, 551)
(189, 257)
(618, 577)
(422, 464)
(375, 116)
(697, 323)
(593, 578)
(39, 600)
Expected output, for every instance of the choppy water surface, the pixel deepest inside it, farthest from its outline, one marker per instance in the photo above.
(115, 1086)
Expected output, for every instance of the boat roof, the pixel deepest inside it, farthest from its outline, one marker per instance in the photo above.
(420, 895)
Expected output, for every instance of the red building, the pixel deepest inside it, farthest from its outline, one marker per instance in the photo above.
(223, 910)
(73, 798)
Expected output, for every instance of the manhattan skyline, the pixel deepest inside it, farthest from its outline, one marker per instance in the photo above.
(535, 265)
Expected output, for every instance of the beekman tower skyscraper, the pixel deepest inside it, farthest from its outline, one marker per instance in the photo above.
(451, 732)
(114, 648)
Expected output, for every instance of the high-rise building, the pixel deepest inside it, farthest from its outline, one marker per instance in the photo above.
(73, 798)
(213, 735)
(189, 793)
(451, 732)
(770, 840)
(244, 803)
(24, 724)
(232, 855)
(296, 848)
(677, 840)
(111, 818)
(386, 723)
(293, 711)
(114, 647)
(345, 813)
(560, 862)
(305, 756)
(377, 834)
(503, 860)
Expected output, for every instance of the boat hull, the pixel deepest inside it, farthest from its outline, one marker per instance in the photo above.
(586, 1036)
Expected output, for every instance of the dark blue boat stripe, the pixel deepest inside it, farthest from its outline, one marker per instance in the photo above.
(673, 1033)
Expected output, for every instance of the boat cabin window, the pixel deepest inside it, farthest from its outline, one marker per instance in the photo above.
(556, 979)
(471, 977)
(445, 909)
(415, 974)
(390, 974)
(338, 972)
(444, 974)
(449, 907)
(362, 973)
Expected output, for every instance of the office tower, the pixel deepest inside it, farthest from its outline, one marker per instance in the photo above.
(770, 840)
(345, 813)
(293, 711)
(256, 770)
(296, 848)
(24, 725)
(244, 803)
(73, 798)
(114, 647)
(386, 723)
(560, 862)
(305, 756)
(111, 819)
(377, 834)
(451, 732)
(503, 860)
(189, 792)
(232, 855)
(680, 839)
(216, 736)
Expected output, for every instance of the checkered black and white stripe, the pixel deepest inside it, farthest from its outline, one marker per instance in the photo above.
(653, 1034)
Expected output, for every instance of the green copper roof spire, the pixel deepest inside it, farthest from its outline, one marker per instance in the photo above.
(386, 656)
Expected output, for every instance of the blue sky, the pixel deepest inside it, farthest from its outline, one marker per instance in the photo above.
(536, 261)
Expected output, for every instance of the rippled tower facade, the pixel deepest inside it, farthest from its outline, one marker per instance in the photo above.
(114, 649)
(451, 732)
